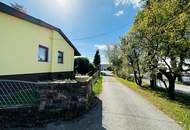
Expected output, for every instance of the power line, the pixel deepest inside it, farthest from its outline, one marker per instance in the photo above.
(100, 34)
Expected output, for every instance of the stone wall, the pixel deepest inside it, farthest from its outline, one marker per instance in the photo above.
(74, 98)
(57, 100)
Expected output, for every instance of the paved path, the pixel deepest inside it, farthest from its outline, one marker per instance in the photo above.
(178, 87)
(123, 109)
(119, 108)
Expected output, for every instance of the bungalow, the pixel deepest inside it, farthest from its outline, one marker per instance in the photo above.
(31, 49)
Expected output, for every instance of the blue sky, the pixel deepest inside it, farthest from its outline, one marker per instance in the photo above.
(89, 24)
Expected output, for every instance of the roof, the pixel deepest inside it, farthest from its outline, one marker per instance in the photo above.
(11, 11)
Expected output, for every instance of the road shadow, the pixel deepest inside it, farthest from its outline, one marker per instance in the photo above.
(92, 120)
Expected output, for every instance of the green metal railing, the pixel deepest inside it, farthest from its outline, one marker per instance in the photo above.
(14, 94)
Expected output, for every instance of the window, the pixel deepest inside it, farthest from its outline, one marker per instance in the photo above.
(60, 57)
(42, 54)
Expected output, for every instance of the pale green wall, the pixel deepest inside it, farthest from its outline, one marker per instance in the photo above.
(60, 44)
(19, 42)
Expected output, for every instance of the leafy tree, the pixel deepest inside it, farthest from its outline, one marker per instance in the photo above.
(18, 7)
(162, 27)
(132, 55)
(158, 43)
(97, 59)
(114, 55)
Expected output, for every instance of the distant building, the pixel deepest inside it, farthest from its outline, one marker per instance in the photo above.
(104, 67)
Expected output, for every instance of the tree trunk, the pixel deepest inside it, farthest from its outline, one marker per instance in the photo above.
(152, 83)
(140, 81)
(171, 79)
(135, 76)
(171, 89)
(179, 78)
(153, 77)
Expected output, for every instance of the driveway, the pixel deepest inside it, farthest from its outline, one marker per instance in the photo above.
(119, 108)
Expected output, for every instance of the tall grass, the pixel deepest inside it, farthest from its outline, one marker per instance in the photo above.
(97, 87)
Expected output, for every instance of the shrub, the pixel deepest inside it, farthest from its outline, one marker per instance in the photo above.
(92, 69)
(130, 78)
(121, 74)
(110, 68)
(83, 66)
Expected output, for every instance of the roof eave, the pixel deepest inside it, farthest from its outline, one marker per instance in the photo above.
(13, 12)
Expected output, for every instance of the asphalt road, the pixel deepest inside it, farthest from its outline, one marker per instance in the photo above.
(119, 108)
(123, 109)
(178, 87)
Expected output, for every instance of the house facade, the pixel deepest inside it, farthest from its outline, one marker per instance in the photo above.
(31, 49)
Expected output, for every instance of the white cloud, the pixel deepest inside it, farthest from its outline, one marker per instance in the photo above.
(119, 13)
(91, 59)
(101, 47)
(135, 3)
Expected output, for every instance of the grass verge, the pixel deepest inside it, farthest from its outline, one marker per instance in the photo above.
(179, 110)
(97, 87)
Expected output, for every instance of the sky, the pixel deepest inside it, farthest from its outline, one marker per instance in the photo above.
(89, 24)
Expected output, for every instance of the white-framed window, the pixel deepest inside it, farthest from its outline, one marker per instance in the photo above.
(43, 53)
(60, 57)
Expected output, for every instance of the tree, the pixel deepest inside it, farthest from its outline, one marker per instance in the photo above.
(114, 55)
(158, 43)
(18, 7)
(132, 56)
(163, 27)
(97, 59)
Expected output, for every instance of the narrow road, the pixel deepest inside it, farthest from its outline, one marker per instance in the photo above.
(178, 87)
(123, 109)
(119, 108)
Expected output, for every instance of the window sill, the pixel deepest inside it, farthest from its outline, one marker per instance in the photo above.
(43, 62)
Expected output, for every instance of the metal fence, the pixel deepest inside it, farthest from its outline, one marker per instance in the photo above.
(14, 94)
(19, 94)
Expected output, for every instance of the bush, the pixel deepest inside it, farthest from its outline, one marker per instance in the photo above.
(92, 69)
(83, 66)
(130, 78)
(110, 68)
(121, 74)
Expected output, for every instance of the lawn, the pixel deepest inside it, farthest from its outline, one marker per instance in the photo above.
(178, 110)
(97, 87)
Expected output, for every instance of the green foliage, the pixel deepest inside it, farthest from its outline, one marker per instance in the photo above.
(91, 69)
(159, 41)
(132, 54)
(110, 68)
(97, 59)
(83, 66)
(114, 54)
(121, 73)
(162, 28)
(130, 78)
(97, 87)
